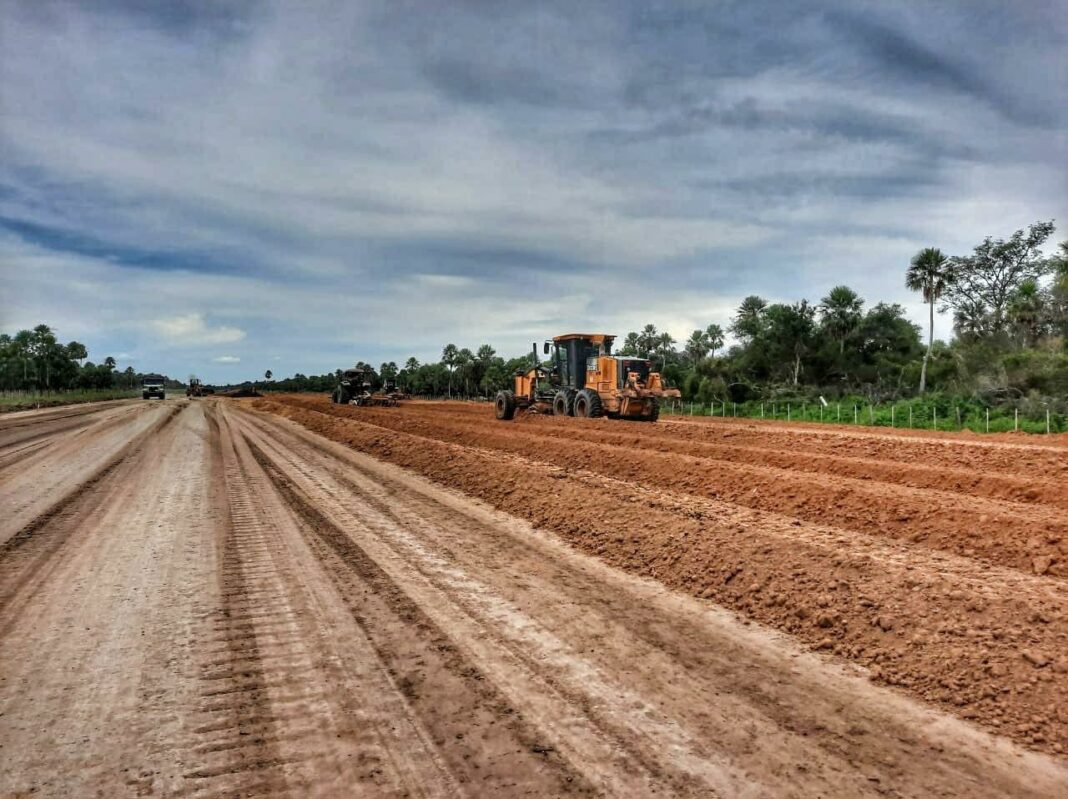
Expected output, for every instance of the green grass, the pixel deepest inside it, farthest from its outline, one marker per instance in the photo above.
(945, 414)
(23, 400)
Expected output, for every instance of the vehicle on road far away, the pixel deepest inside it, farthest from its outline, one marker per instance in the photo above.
(195, 388)
(153, 386)
(583, 378)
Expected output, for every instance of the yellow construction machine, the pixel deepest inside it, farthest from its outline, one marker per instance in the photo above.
(583, 378)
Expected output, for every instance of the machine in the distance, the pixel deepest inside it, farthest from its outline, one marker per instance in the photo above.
(351, 387)
(583, 378)
(354, 388)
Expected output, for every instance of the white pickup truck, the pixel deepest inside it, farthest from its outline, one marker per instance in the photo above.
(153, 386)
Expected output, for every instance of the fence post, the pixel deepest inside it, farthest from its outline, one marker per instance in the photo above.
(892, 409)
(821, 413)
(871, 415)
(855, 420)
(839, 412)
(910, 415)
(934, 417)
(1015, 420)
(734, 410)
(988, 420)
(1047, 421)
(762, 410)
(788, 412)
(959, 423)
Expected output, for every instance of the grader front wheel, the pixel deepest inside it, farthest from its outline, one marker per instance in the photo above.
(504, 406)
(563, 404)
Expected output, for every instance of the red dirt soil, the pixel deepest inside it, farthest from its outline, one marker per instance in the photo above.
(938, 562)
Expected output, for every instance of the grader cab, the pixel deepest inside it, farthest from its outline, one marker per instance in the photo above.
(583, 378)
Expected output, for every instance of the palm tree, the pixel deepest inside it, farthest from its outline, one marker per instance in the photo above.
(697, 345)
(749, 319)
(388, 372)
(714, 336)
(971, 320)
(840, 313)
(448, 358)
(1026, 311)
(1058, 292)
(663, 348)
(929, 273)
(77, 351)
(647, 340)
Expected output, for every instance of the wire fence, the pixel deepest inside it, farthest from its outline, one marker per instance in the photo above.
(914, 415)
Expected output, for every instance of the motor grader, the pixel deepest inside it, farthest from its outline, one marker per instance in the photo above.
(583, 378)
(354, 389)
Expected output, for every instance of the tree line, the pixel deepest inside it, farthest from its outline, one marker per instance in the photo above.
(35, 360)
(1010, 325)
(460, 372)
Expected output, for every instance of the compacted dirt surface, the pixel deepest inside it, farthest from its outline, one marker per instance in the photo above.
(281, 596)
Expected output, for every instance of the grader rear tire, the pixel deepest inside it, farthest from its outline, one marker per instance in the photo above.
(588, 404)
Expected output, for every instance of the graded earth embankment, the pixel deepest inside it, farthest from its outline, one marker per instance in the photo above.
(954, 593)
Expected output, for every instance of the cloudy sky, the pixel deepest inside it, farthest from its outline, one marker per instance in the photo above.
(227, 187)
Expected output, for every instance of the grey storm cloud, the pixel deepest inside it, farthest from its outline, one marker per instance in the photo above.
(315, 183)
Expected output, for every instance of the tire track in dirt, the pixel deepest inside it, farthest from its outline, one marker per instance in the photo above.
(30, 418)
(457, 551)
(635, 753)
(36, 428)
(47, 478)
(95, 641)
(234, 740)
(304, 656)
(25, 556)
(34, 445)
(1003, 533)
(833, 588)
(486, 742)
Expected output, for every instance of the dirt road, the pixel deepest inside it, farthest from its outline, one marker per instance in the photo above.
(205, 598)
